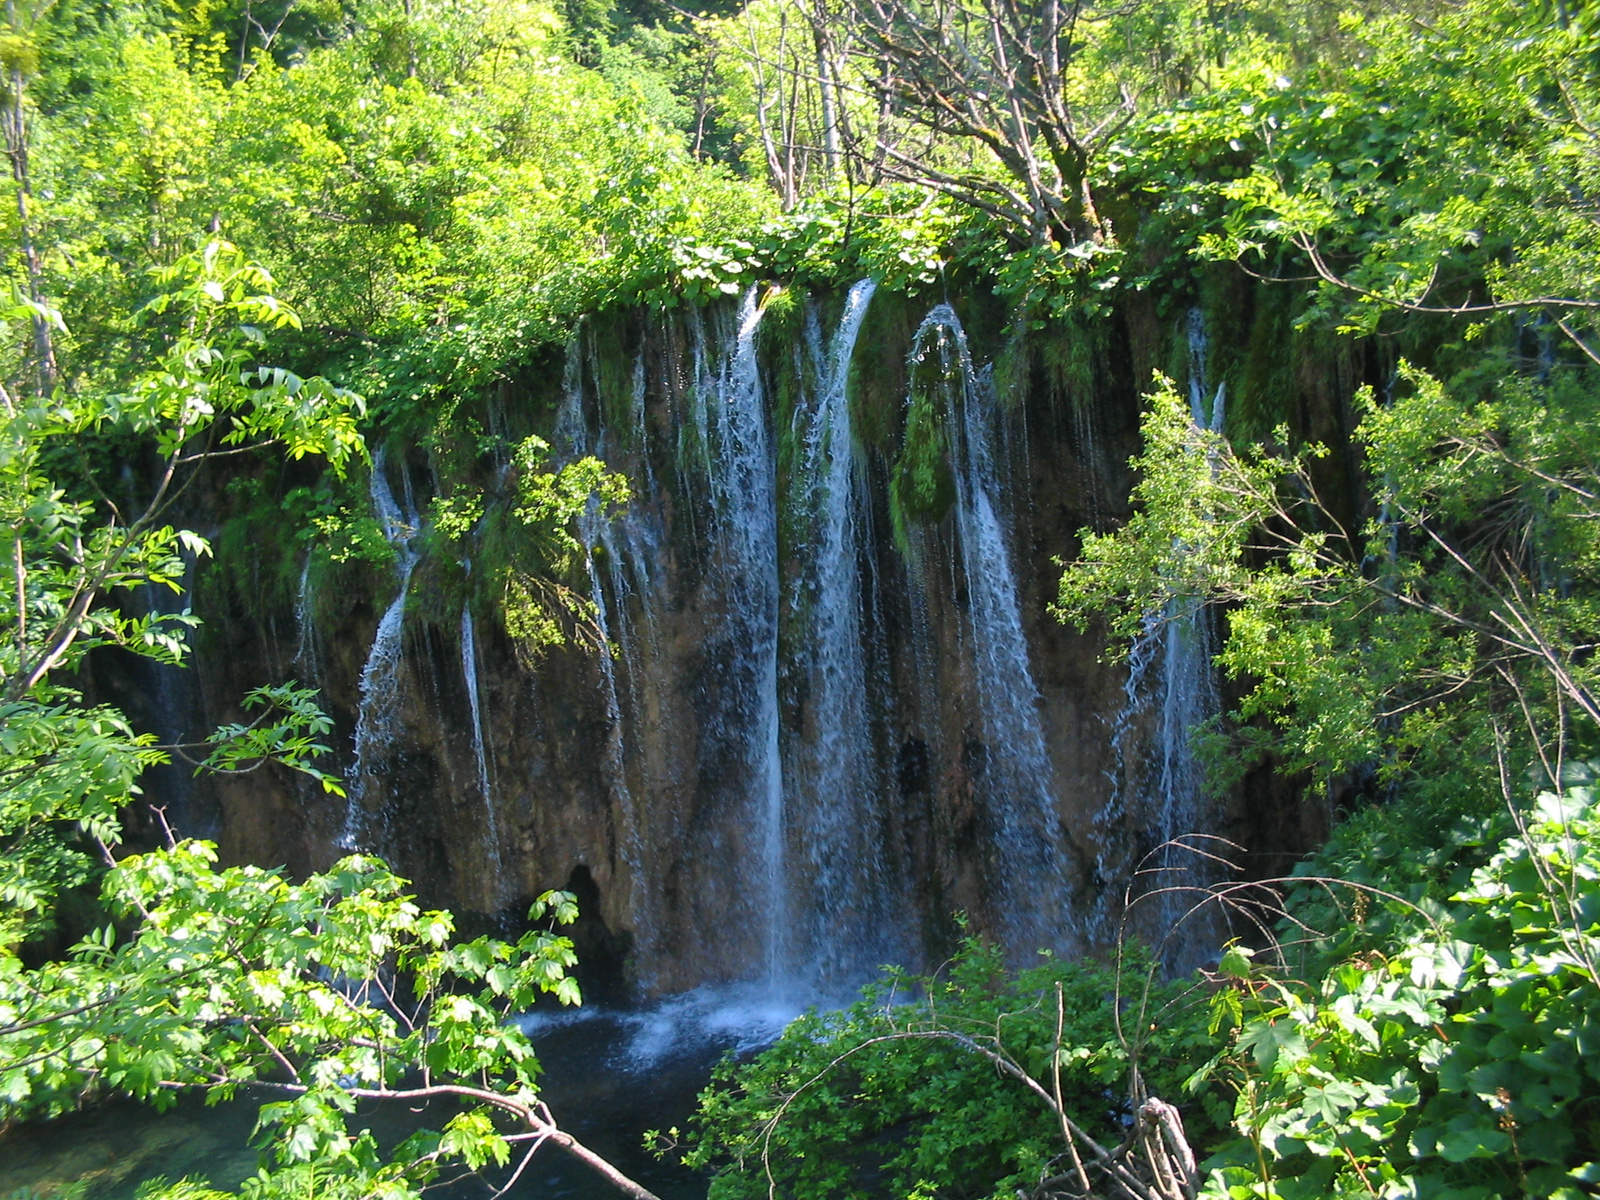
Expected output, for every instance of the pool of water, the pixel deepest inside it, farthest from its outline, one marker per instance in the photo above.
(610, 1074)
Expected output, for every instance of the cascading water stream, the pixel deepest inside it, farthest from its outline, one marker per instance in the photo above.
(306, 658)
(744, 489)
(378, 719)
(1016, 766)
(480, 752)
(836, 784)
(1171, 689)
(175, 706)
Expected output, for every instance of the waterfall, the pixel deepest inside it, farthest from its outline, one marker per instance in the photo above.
(744, 490)
(305, 627)
(828, 710)
(596, 532)
(570, 437)
(773, 753)
(837, 784)
(1199, 351)
(480, 754)
(377, 721)
(307, 662)
(1016, 768)
(1170, 693)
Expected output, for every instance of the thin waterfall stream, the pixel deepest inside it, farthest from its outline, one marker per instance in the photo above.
(306, 659)
(480, 754)
(377, 722)
(1171, 689)
(1016, 764)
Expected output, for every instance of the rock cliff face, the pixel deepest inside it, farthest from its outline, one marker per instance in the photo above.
(836, 711)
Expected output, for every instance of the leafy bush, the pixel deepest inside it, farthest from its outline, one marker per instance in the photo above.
(319, 993)
(1463, 1067)
(904, 1093)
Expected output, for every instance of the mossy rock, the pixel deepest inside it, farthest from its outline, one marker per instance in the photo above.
(922, 486)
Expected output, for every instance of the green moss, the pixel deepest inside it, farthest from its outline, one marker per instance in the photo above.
(1175, 362)
(922, 486)
(254, 556)
(1013, 374)
(783, 313)
(258, 550)
(1266, 394)
(1066, 358)
(439, 587)
(877, 378)
(780, 342)
(1231, 302)
(610, 363)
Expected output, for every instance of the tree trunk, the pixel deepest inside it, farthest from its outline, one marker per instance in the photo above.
(16, 135)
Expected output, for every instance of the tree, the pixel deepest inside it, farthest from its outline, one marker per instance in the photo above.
(997, 75)
(74, 553)
(1462, 195)
(1443, 634)
(328, 992)
(974, 1081)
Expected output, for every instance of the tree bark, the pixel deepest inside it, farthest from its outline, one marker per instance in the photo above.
(15, 121)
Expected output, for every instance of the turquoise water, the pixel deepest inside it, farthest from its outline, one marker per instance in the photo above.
(610, 1075)
(114, 1147)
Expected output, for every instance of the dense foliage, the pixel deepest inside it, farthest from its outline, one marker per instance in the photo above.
(1433, 640)
(205, 394)
(447, 188)
(195, 977)
(1459, 1064)
(325, 993)
(914, 1090)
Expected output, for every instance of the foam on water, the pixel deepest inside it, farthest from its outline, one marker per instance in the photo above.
(738, 1017)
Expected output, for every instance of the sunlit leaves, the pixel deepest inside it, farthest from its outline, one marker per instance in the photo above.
(234, 976)
(72, 557)
(1446, 171)
(850, 1100)
(1452, 1067)
(286, 727)
(1357, 643)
